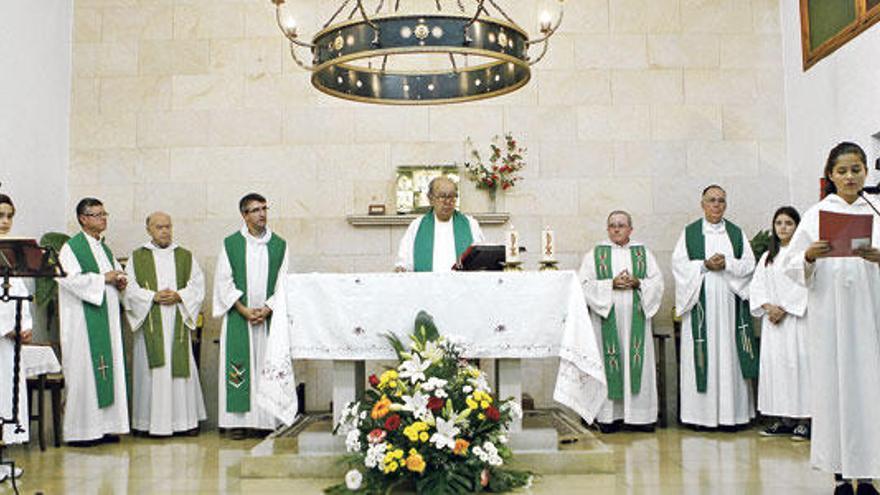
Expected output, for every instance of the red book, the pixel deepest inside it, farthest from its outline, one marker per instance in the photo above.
(845, 232)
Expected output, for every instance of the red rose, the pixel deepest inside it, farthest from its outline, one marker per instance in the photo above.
(392, 423)
(493, 413)
(374, 380)
(435, 403)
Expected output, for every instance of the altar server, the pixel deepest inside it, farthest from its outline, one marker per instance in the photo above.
(843, 329)
(784, 383)
(12, 433)
(164, 295)
(623, 287)
(91, 332)
(712, 265)
(435, 241)
(248, 280)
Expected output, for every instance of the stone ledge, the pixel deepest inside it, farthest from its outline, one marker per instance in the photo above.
(393, 220)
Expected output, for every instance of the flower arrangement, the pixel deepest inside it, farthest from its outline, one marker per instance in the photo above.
(505, 162)
(431, 423)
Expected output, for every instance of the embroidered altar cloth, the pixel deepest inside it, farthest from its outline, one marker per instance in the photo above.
(518, 315)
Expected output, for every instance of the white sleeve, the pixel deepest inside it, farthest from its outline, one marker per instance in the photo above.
(192, 296)
(651, 287)
(738, 272)
(597, 293)
(405, 249)
(688, 275)
(476, 231)
(88, 287)
(137, 300)
(225, 293)
(279, 292)
(796, 267)
(758, 288)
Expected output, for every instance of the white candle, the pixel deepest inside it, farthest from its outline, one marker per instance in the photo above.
(548, 245)
(512, 251)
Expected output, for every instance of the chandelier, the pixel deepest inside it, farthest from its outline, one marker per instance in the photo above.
(391, 57)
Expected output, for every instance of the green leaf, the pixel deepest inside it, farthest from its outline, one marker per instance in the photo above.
(47, 288)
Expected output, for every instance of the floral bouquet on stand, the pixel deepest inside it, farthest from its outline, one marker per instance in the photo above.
(431, 425)
(502, 169)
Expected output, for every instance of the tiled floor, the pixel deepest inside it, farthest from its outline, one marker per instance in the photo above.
(671, 461)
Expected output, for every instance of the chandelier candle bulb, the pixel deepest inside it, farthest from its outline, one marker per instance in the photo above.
(548, 245)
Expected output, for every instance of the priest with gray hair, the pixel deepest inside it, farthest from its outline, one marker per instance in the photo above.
(164, 296)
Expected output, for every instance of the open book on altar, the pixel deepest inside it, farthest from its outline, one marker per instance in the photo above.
(845, 232)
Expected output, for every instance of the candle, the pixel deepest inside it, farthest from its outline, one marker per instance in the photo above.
(548, 245)
(512, 246)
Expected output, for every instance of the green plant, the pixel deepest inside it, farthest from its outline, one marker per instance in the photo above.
(46, 290)
(760, 243)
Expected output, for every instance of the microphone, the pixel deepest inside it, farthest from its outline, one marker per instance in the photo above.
(862, 194)
(874, 189)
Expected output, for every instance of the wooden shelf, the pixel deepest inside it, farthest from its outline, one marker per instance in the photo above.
(392, 220)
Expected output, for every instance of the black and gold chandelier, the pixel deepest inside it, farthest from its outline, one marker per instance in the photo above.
(391, 57)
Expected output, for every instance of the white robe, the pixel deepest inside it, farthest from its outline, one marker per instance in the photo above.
(162, 405)
(7, 354)
(225, 295)
(601, 297)
(844, 343)
(444, 244)
(83, 420)
(728, 399)
(784, 379)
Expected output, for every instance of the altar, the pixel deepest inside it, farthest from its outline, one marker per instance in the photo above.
(502, 315)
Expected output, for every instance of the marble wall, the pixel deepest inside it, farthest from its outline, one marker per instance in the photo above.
(185, 105)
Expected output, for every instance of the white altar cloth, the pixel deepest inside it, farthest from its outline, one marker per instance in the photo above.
(491, 315)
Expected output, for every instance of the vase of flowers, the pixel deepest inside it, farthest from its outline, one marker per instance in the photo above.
(431, 424)
(500, 171)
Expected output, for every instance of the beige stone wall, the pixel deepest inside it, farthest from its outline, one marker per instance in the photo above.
(185, 105)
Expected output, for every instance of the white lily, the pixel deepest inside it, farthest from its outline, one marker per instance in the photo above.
(414, 369)
(445, 435)
(433, 352)
(416, 404)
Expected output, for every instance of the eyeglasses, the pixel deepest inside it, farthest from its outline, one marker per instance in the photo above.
(713, 201)
(257, 209)
(444, 197)
(102, 214)
(617, 225)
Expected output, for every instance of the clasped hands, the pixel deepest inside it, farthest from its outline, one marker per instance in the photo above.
(166, 297)
(254, 316)
(716, 262)
(117, 279)
(821, 249)
(774, 313)
(625, 281)
(26, 336)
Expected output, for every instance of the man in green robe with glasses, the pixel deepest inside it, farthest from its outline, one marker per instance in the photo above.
(435, 241)
(712, 265)
(91, 333)
(623, 287)
(249, 278)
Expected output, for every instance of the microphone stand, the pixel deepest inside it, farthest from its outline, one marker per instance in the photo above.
(862, 194)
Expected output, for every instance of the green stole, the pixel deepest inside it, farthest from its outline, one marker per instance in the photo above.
(423, 248)
(745, 332)
(238, 344)
(610, 340)
(154, 333)
(97, 322)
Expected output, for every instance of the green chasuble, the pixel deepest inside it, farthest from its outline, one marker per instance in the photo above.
(238, 344)
(154, 333)
(610, 340)
(423, 249)
(97, 322)
(744, 330)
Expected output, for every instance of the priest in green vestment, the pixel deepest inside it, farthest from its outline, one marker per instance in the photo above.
(248, 280)
(165, 291)
(712, 265)
(623, 287)
(435, 241)
(91, 332)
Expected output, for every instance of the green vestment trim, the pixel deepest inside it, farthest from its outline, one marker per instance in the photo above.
(610, 340)
(744, 330)
(423, 248)
(154, 333)
(97, 322)
(238, 344)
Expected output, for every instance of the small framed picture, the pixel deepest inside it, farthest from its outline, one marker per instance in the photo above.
(376, 210)
(413, 182)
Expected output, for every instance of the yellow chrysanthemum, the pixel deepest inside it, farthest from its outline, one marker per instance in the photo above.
(415, 462)
(381, 408)
(423, 436)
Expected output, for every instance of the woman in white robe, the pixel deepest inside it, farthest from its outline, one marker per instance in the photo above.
(10, 435)
(844, 330)
(783, 385)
